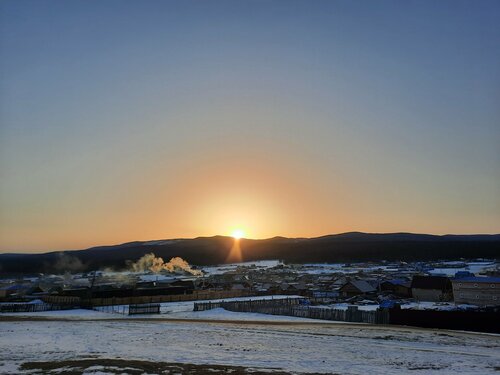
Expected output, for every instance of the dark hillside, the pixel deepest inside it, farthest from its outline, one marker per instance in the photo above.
(346, 247)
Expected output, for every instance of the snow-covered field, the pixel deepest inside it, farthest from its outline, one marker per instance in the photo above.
(214, 314)
(89, 346)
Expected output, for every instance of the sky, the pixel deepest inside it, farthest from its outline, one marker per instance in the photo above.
(140, 120)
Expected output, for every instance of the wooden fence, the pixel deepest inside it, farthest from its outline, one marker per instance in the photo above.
(352, 314)
(295, 307)
(256, 305)
(62, 300)
(486, 320)
(149, 308)
(113, 309)
(196, 295)
(30, 307)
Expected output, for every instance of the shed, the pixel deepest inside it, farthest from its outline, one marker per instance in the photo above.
(431, 288)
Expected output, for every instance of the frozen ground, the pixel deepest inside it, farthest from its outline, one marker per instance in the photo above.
(137, 346)
(214, 314)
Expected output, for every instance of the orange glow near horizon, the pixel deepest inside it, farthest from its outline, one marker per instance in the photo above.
(235, 255)
(262, 194)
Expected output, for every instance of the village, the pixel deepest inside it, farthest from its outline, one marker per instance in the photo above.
(374, 292)
(263, 316)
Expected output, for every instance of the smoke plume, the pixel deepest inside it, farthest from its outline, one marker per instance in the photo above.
(156, 264)
(67, 263)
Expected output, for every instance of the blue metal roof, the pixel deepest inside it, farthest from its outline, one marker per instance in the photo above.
(14, 287)
(478, 279)
(388, 304)
(462, 274)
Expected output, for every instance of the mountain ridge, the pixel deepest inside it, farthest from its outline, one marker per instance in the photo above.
(342, 247)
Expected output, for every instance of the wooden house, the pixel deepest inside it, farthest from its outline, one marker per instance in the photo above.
(356, 288)
(480, 291)
(431, 288)
(398, 287)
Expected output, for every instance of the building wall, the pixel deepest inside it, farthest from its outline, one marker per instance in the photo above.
(481, 294)
(431, 295)
(402, 291)
(349, 290)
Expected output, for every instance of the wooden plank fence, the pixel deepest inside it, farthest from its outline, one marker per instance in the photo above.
(149, 308)
(31, 307)
(196, 295)
(486, 320)
(296, 307)
(112, 309)
(62, 300)
(256, 305)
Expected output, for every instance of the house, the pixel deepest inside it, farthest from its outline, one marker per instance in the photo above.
(398, 287)
(355, 288)
(481, 291)
(240, 286)
(14, 290)
(262, 287)
(340, 282)
(325, 294)
(36, 291)
(431, 288)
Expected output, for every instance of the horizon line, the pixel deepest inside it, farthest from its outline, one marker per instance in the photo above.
(243, 238)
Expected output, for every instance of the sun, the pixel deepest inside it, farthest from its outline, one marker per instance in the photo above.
(237, 234)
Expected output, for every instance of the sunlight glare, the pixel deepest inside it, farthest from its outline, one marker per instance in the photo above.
(237, 234)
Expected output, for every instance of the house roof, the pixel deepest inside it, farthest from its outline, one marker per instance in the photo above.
(396, 281)
(475, 279)
(431, 282)
(238, 287)
(15, 287)
(462, 274)
(399, 282)
(362, 286)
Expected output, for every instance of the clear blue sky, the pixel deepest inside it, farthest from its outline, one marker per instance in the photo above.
(128, 120)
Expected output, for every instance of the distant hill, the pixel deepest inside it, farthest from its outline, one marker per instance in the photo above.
(345, 247)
